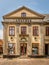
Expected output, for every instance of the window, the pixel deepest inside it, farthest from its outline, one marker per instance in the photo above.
(23, 14)
(23, 30)
(35, 31)
(47, 31)
(11, 30)
(35, 48)
(11, 48)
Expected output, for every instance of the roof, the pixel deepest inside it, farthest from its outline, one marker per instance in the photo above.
(46, 17)
(23, 7)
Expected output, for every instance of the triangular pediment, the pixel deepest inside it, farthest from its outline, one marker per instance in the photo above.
(29, 13)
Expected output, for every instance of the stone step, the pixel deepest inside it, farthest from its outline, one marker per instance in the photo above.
(25, 57)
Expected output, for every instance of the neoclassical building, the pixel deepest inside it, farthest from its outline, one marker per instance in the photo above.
(25, 32)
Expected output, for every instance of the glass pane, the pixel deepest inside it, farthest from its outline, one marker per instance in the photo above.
(47, 31)
(11, 30)
(35, 31)
(23, 30)
(23, 14)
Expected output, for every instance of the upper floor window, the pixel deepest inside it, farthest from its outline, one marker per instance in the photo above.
(23, 14)
(11, 30)
(23, 30)
(35, 31)
(47, 31)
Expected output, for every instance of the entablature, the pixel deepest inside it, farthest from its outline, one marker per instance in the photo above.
(23, 20)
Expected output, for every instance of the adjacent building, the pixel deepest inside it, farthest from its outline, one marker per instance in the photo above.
(1, 46)
(25, 32)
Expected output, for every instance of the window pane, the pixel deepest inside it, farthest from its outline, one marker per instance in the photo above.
(47, 31)
(35, 31)
(23, 14)
(23, 30)
(11, 30)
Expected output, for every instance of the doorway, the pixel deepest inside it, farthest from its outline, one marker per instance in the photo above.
(23, 49)
(46, 49)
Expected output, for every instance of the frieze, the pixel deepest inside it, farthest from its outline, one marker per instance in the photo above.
(23, 20)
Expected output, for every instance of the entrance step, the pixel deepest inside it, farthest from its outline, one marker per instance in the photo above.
(25, 57)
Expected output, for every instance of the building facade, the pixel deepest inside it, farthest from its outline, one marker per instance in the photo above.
(25, 32)
(1, 46)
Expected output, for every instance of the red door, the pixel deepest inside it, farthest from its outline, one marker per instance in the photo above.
(23, 48)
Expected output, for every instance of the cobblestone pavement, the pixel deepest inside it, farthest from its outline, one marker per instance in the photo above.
(31, 61)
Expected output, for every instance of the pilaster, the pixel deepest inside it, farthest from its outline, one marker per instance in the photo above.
(5, 39)
(29, 45)
(41, 44)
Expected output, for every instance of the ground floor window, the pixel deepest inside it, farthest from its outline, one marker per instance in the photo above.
(47, 49)
(35, 49)
(11, 48)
